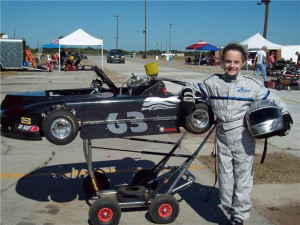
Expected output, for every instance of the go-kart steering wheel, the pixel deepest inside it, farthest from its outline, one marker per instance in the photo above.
(106, 80)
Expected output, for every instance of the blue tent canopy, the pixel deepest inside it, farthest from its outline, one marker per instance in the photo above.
(208, 47)
(52, 45)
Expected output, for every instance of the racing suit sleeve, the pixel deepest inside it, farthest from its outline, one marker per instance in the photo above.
(264, 93)
(196, 88)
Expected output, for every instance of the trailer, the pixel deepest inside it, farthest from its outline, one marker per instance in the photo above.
(13, 53)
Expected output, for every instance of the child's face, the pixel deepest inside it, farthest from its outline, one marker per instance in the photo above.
(233, 62)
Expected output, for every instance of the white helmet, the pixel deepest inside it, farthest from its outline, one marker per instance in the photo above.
(264, 119)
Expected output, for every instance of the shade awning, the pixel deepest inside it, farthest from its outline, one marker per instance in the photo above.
(51, 45)
(196, 45)
(257, 42)
(80, 37)
(208, 47)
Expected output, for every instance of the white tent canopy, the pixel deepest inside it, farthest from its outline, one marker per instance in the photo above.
(81, 38)
(257, 41)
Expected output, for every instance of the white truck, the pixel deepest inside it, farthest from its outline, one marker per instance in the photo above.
(167, 54)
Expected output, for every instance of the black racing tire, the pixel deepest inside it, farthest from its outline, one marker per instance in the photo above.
(142, 177)
(279, 87)
(164, 209)
(105, 211)
(199, 121)
(131, 193)
(60, 127)
(102, 183)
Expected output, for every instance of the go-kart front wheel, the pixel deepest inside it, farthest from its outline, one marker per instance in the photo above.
(60, 127)
(199, 121)
(105, 211)
(164, 209)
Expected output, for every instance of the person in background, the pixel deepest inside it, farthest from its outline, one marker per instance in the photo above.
(298, 59)
(56, 57)
(260, 61)
(63, 55)
(230, 95)
(271, 60)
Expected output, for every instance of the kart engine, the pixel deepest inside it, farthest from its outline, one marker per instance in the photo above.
(148, 86)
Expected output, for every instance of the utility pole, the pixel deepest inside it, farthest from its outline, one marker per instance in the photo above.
(170, 37)
(145, 31)
(266, 2)
(117, 38)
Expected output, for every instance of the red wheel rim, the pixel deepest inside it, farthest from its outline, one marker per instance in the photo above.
(105, 214)
(165, 210)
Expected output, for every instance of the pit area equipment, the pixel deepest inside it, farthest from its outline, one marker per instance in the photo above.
(152, 189)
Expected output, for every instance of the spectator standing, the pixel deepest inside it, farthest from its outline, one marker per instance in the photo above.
(298, 59)
(271, 60)
(260, 61)
(63, 55)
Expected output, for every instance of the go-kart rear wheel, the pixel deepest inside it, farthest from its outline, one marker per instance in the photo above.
(200, 120)
(142, 177)
(60, 127)
(164, 209)
(102, 183)
(105, 211)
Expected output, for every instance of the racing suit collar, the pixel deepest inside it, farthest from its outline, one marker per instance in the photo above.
(230, 79)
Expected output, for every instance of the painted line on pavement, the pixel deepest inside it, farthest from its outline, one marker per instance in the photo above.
(289, 100)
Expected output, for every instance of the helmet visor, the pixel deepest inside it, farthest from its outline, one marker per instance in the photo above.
(259, 116)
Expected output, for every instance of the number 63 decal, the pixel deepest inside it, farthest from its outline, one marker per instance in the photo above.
(121, 128)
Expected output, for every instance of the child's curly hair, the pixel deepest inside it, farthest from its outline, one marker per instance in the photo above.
(234, 46)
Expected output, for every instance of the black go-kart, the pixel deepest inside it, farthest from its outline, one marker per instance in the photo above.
(144, 107)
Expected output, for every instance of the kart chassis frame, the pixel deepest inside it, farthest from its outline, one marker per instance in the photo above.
(175, 172)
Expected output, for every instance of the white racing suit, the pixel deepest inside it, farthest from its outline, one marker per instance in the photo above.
(230, 100)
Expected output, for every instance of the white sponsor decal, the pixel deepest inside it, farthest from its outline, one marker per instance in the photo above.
(156, 103)
(27, 128)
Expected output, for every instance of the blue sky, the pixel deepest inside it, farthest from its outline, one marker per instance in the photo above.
(217, 22)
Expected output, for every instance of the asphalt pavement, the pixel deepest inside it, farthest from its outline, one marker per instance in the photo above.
(41, 183)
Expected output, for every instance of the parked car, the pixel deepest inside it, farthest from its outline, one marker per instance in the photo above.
(115, 55)
(167, 54)
(144, 107)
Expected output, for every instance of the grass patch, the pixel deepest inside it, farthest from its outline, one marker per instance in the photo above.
(278, 168)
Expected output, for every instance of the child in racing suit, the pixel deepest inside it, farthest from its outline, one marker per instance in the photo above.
(230, 95)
